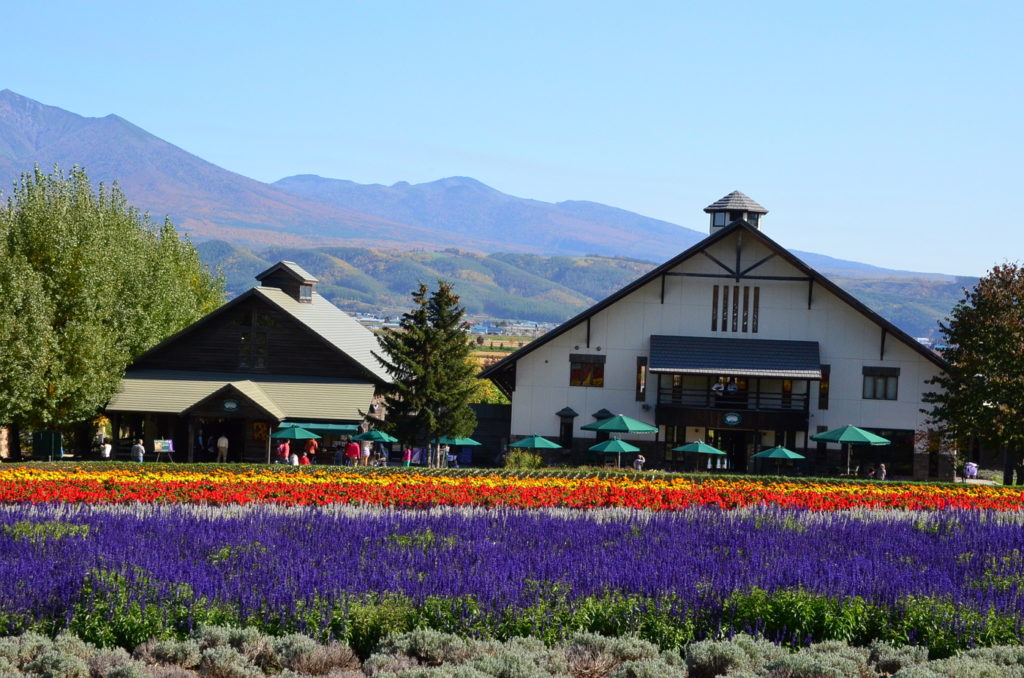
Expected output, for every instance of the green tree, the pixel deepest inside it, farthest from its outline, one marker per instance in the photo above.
(88, 283)
(982, 392)
(428, 358)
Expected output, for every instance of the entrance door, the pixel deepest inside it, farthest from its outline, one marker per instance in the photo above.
(734, 443)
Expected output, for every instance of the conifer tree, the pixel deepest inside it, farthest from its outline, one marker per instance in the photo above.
(434, 381)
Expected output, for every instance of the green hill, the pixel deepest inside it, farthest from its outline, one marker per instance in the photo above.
(526, 286)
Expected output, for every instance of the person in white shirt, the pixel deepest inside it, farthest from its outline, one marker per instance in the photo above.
(222, 449)
(105, 448)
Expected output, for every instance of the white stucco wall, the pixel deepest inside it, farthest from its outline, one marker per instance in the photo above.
(848, 341)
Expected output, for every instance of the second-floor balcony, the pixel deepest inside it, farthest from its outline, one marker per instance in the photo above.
(748, 400)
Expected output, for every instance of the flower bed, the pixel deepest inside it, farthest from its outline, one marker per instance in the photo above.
(100, 483)
(124, 574)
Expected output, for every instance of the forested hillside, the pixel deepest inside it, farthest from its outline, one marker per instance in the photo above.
(529, 287)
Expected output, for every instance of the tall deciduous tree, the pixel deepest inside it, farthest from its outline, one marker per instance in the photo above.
(434, 381)
(87, 283)
(982, 392)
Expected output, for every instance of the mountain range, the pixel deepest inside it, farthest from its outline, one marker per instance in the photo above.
(362, 225)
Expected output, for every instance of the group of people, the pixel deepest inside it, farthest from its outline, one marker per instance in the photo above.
(877, 474)
(346, 452)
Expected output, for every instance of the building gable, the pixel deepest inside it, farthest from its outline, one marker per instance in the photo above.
(251, 334)
(736, 259)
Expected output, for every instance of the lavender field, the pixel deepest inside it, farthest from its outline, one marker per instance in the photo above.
(121, 575)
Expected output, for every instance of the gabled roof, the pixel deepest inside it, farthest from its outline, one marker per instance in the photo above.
(296, 271)
(735, 201)
(335, 327)
(719, 235)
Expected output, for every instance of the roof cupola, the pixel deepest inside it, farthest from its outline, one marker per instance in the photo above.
(291, 278)
(735, 207)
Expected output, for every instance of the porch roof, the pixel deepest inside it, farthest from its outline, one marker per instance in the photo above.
(727, 356)
(283, 396)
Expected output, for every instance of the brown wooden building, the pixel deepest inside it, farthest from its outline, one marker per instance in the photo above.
(277, 353)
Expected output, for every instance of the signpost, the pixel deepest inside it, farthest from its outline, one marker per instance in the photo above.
(164, 447)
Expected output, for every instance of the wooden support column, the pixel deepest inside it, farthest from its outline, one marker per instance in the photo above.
(881, 349)
(588, 331)
(191, 439)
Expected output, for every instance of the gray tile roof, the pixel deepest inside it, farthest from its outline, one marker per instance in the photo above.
(293, 268)
(728, 356)
(337, 327)
(284, 396)
(735, 201)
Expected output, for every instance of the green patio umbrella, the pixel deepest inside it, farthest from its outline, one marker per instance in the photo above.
(293, 433)
(620, 423)
(698, 447)
(535, 443)
(458, 441)
(850, 436)
(778, 453)
(375, 436)
(617, 446)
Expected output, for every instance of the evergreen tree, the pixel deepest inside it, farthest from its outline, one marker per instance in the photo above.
(982, 392)
(434, 381)
(88, 283)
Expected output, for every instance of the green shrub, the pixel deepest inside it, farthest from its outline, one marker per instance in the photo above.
(648, 668)
(227, 662)
(104, 660)
(710, 658)
(430, 648)
(55, 664)
(133, 670)
(805, 664)
(887, 658)
(521, 459)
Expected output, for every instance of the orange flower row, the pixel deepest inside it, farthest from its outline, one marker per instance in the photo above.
(409, 489)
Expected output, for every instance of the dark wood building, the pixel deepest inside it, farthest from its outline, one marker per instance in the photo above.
(279, 352)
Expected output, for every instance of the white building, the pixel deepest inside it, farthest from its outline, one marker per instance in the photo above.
(735, 342)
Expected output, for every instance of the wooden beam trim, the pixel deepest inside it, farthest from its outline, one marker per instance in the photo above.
(724, 267)
(588, 331)
(801, 278)
(881, 350)
(810, 293)
(754, 265)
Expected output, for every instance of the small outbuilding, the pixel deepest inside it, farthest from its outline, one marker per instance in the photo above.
(278, 353)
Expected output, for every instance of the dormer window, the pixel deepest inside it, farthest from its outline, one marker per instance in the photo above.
(306, 293)
(718, 219)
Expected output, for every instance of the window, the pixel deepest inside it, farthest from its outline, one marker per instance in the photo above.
(736, 316)
(823, 388)
(881, 383)
(586, 370)
(718, 219)
(752, 218)
(306, 293)
(641, 378)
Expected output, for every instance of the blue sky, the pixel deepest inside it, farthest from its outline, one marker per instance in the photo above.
(885, 132)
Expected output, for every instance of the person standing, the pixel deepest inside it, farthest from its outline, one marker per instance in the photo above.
(311, 449)
(638, 463)
(881, 472)
(138, 451)
(407, 457)
(352, 453)
(105, 449)
(364, 453)
(222, 449)
(284, 450)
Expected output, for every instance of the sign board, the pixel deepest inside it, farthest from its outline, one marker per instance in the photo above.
(163, 446)
(732, 419)
(230, 405)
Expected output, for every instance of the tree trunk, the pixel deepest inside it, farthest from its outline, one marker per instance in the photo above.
(1008, 464)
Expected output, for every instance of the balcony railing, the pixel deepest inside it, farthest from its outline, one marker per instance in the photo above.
(739, 400)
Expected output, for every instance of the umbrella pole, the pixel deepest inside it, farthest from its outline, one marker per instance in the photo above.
(848, 448)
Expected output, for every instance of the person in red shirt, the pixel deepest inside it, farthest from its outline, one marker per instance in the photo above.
(311, 448)
(352, 453)
(284, 450)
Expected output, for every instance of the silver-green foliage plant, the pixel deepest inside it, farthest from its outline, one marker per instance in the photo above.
(88, 283)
